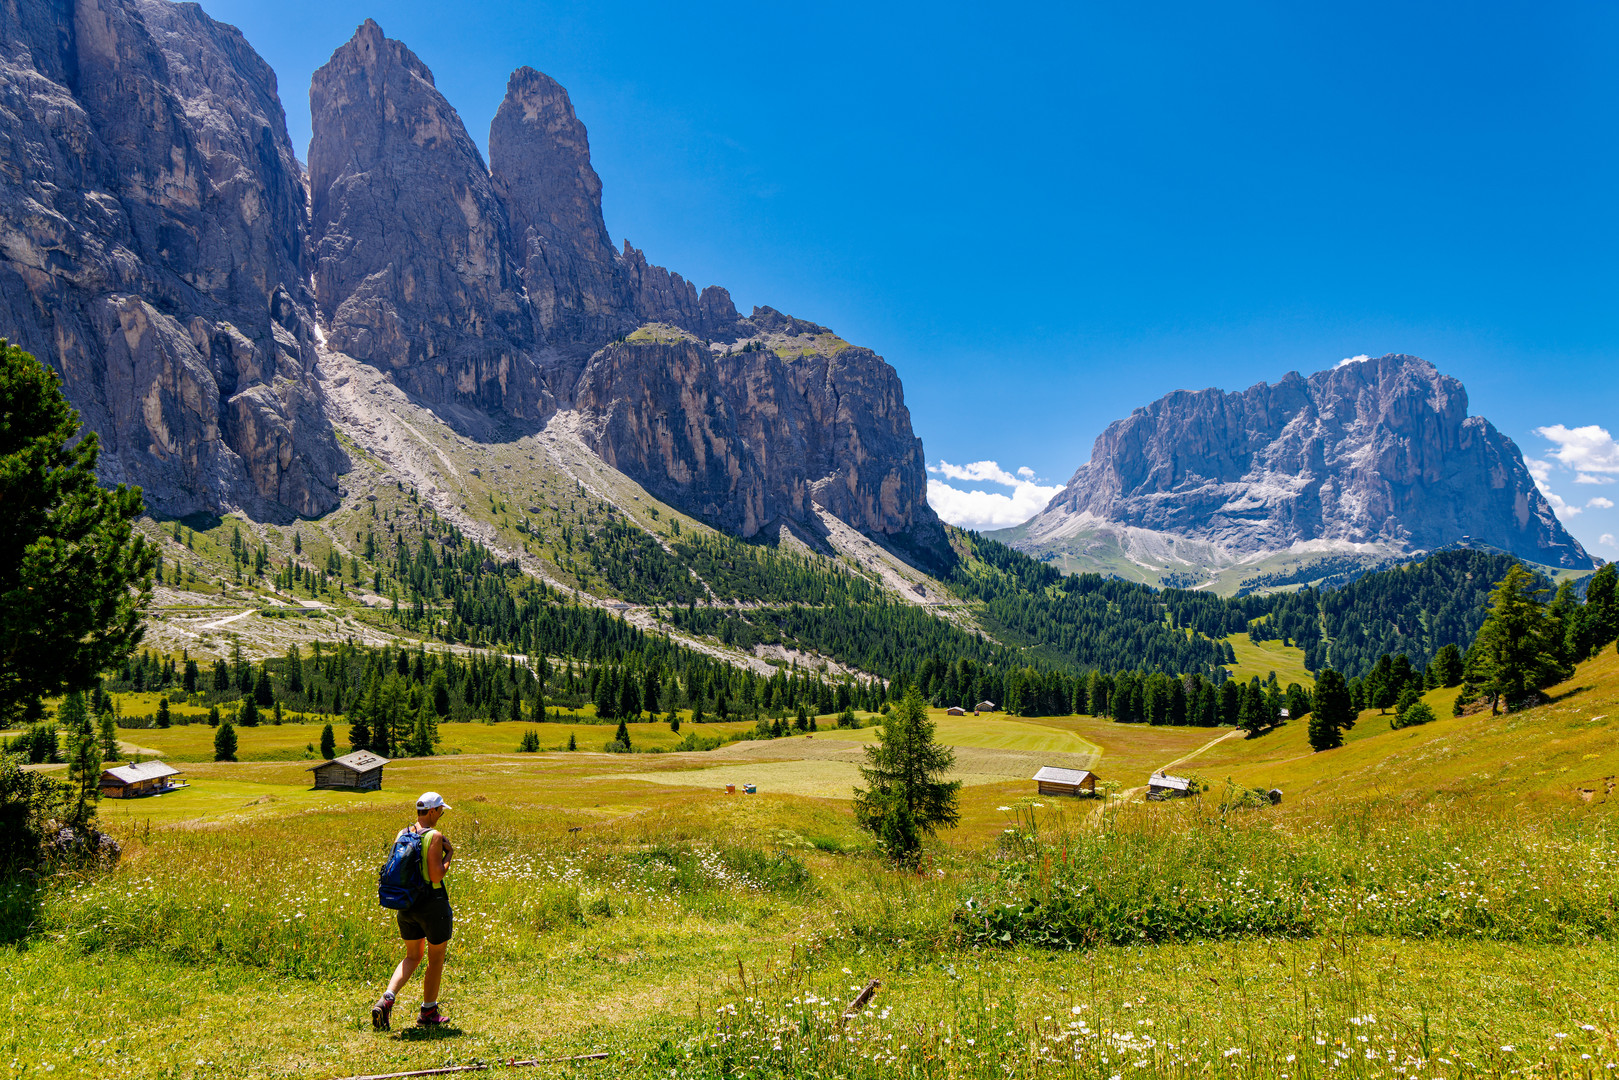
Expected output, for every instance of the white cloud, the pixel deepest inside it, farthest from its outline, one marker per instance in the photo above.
(978, 470)
(1588, 449)
(1588, 452)
(1542, 472)
(1606, 540)
(979, 509)
(1346, 361)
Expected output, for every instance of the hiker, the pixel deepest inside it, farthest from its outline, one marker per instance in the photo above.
(423, 906)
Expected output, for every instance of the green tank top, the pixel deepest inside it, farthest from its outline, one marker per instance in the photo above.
(427, 839)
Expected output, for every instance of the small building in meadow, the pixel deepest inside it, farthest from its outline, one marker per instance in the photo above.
(984, 706)
(955, 710)
(359, 771)
(133, 781)
(1160, 786)
(1078, 783)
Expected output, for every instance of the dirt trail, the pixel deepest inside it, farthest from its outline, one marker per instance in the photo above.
(1134, 794)
(227, 620)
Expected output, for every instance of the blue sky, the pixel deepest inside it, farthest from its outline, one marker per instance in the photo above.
(1046, 216)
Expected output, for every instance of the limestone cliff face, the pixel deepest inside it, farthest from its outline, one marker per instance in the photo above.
(1376, 452)
(152, 229)
(741, 436)
(539, 157)
(415, 268)
(160, 247)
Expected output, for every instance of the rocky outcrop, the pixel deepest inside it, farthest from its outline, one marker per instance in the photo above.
(1378, 452)
(539, 158)
(740, 437)
(414, 263)
(152, 230)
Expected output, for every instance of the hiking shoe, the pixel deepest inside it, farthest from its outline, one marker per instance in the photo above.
(382, 1014)
(431, 1017)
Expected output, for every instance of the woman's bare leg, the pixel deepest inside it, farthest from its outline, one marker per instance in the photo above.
(435, 968)
(407, 966)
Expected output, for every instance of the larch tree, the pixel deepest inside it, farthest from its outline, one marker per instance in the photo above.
(906, 794)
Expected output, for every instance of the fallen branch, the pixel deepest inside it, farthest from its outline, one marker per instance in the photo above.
(859, 1002)
(512, 1063)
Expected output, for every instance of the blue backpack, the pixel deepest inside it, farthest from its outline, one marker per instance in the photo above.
(401, 883)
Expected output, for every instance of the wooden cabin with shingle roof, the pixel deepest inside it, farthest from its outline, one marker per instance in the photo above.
(1078, 783)
(133, 781)
(359, 771)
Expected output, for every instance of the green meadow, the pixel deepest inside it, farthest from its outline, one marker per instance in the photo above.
(1429, 902)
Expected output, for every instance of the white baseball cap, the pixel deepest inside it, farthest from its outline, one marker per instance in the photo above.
(431, 800)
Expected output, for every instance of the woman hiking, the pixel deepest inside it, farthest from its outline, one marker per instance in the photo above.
(426, 924)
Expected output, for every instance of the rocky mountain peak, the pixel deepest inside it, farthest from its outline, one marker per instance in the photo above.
(539, 158)
(414, 268)
(1371, 452)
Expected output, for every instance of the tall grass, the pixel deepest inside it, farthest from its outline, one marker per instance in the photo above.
(306, 906)
(1152, 875)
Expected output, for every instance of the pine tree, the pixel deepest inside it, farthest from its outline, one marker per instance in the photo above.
(1446, 668)
(249, 714)
(906, 794)
(263, 689)
(328, 743)
(1333, 711)
(1518, 650)
(622, 737)
(83, 758)
(225, 742)
(109, 736)
(573, 744)
(425, 733)
(74, 574)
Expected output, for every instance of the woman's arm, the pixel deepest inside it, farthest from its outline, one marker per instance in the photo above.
(436, 862)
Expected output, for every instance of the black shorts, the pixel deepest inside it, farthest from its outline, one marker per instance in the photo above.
(428, 918)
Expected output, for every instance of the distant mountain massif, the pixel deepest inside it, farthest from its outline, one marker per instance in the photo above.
(1373, 460)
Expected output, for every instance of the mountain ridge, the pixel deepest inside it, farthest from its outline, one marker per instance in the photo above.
(191, 296)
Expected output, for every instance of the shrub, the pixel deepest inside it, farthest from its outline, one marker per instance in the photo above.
(1418, 712)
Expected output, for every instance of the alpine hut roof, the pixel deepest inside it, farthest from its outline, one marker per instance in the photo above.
(1052, 775)
(145, 770)
(1175, 783)
(361, 761)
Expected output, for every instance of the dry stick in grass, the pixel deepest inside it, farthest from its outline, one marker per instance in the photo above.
(512, 1063)
(859, 1001)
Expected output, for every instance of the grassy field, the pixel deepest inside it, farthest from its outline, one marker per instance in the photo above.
(1429, 902)
(301, 742)
(1267, 656)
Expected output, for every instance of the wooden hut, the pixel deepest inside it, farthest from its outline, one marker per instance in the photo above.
(1054, 781)
(984, 706)
(359, 771)
(132, 781)
(955, 710)
(1160, 786)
